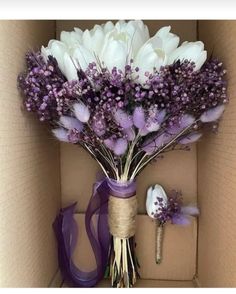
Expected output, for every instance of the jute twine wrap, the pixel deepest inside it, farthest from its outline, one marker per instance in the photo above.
(121, 216)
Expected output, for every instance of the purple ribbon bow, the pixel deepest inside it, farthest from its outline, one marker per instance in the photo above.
(66, 231)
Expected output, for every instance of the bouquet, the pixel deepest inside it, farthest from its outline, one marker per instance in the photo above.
(126, 98)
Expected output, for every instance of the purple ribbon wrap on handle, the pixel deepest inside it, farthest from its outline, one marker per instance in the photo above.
(66, 231)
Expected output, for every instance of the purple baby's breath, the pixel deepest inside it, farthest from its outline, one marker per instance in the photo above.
(110, 109)
(174, 211)
(45, 88)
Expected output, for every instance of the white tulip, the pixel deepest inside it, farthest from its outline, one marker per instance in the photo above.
(137, 32)
(170, 41)
(155, 196)
(192, 51)
(115, 51)
(150, 56)
(93, 39)
(122, 43)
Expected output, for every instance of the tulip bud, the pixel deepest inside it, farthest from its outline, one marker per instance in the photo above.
(81, 112)
(169, 41)
(192, 51)
(156, 200)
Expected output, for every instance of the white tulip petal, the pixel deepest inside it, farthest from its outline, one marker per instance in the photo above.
(58, 50)
(169, 41)
(114, 54)
(45, 53)
(149, 203)
(201, 60)
(83, 57)
(107, 27)
(159, 192)
(69, 68)
(78, 31)
(147, 59)
(163, 32)
(71, 39)
(192, 51)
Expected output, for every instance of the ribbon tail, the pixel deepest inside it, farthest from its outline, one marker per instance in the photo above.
(66, 231)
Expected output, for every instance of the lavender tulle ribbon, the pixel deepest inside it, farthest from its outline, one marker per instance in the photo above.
(66, 231)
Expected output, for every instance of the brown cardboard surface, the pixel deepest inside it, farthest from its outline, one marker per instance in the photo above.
(148, 284)
(217, 172)
(78, 170)
(29, 169)
(179, 250)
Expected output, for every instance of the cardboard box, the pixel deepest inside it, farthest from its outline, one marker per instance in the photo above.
(38, 176)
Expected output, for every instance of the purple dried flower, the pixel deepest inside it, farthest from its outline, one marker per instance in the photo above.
(123, 119)
(180, 219)
(190, 210)
(190, 138)
(160, 116)
(99, 126)
(61, 134)
(71, 123)
(113, 102)
(81, 112)
(139, 117)
(109, 143)
(152, 125)
(183, 122)
(153, 144)
(130, 134)
(73, 136)
(120, 146)
(212, 114)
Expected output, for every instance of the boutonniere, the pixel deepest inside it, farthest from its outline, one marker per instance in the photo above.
(164, 208)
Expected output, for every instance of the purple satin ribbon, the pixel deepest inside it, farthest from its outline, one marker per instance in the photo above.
(66, 231)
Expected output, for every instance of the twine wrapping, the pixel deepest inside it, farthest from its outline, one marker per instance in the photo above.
(159, 240)
(121, 216)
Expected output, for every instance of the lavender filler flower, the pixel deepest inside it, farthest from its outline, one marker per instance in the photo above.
(125, 98)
